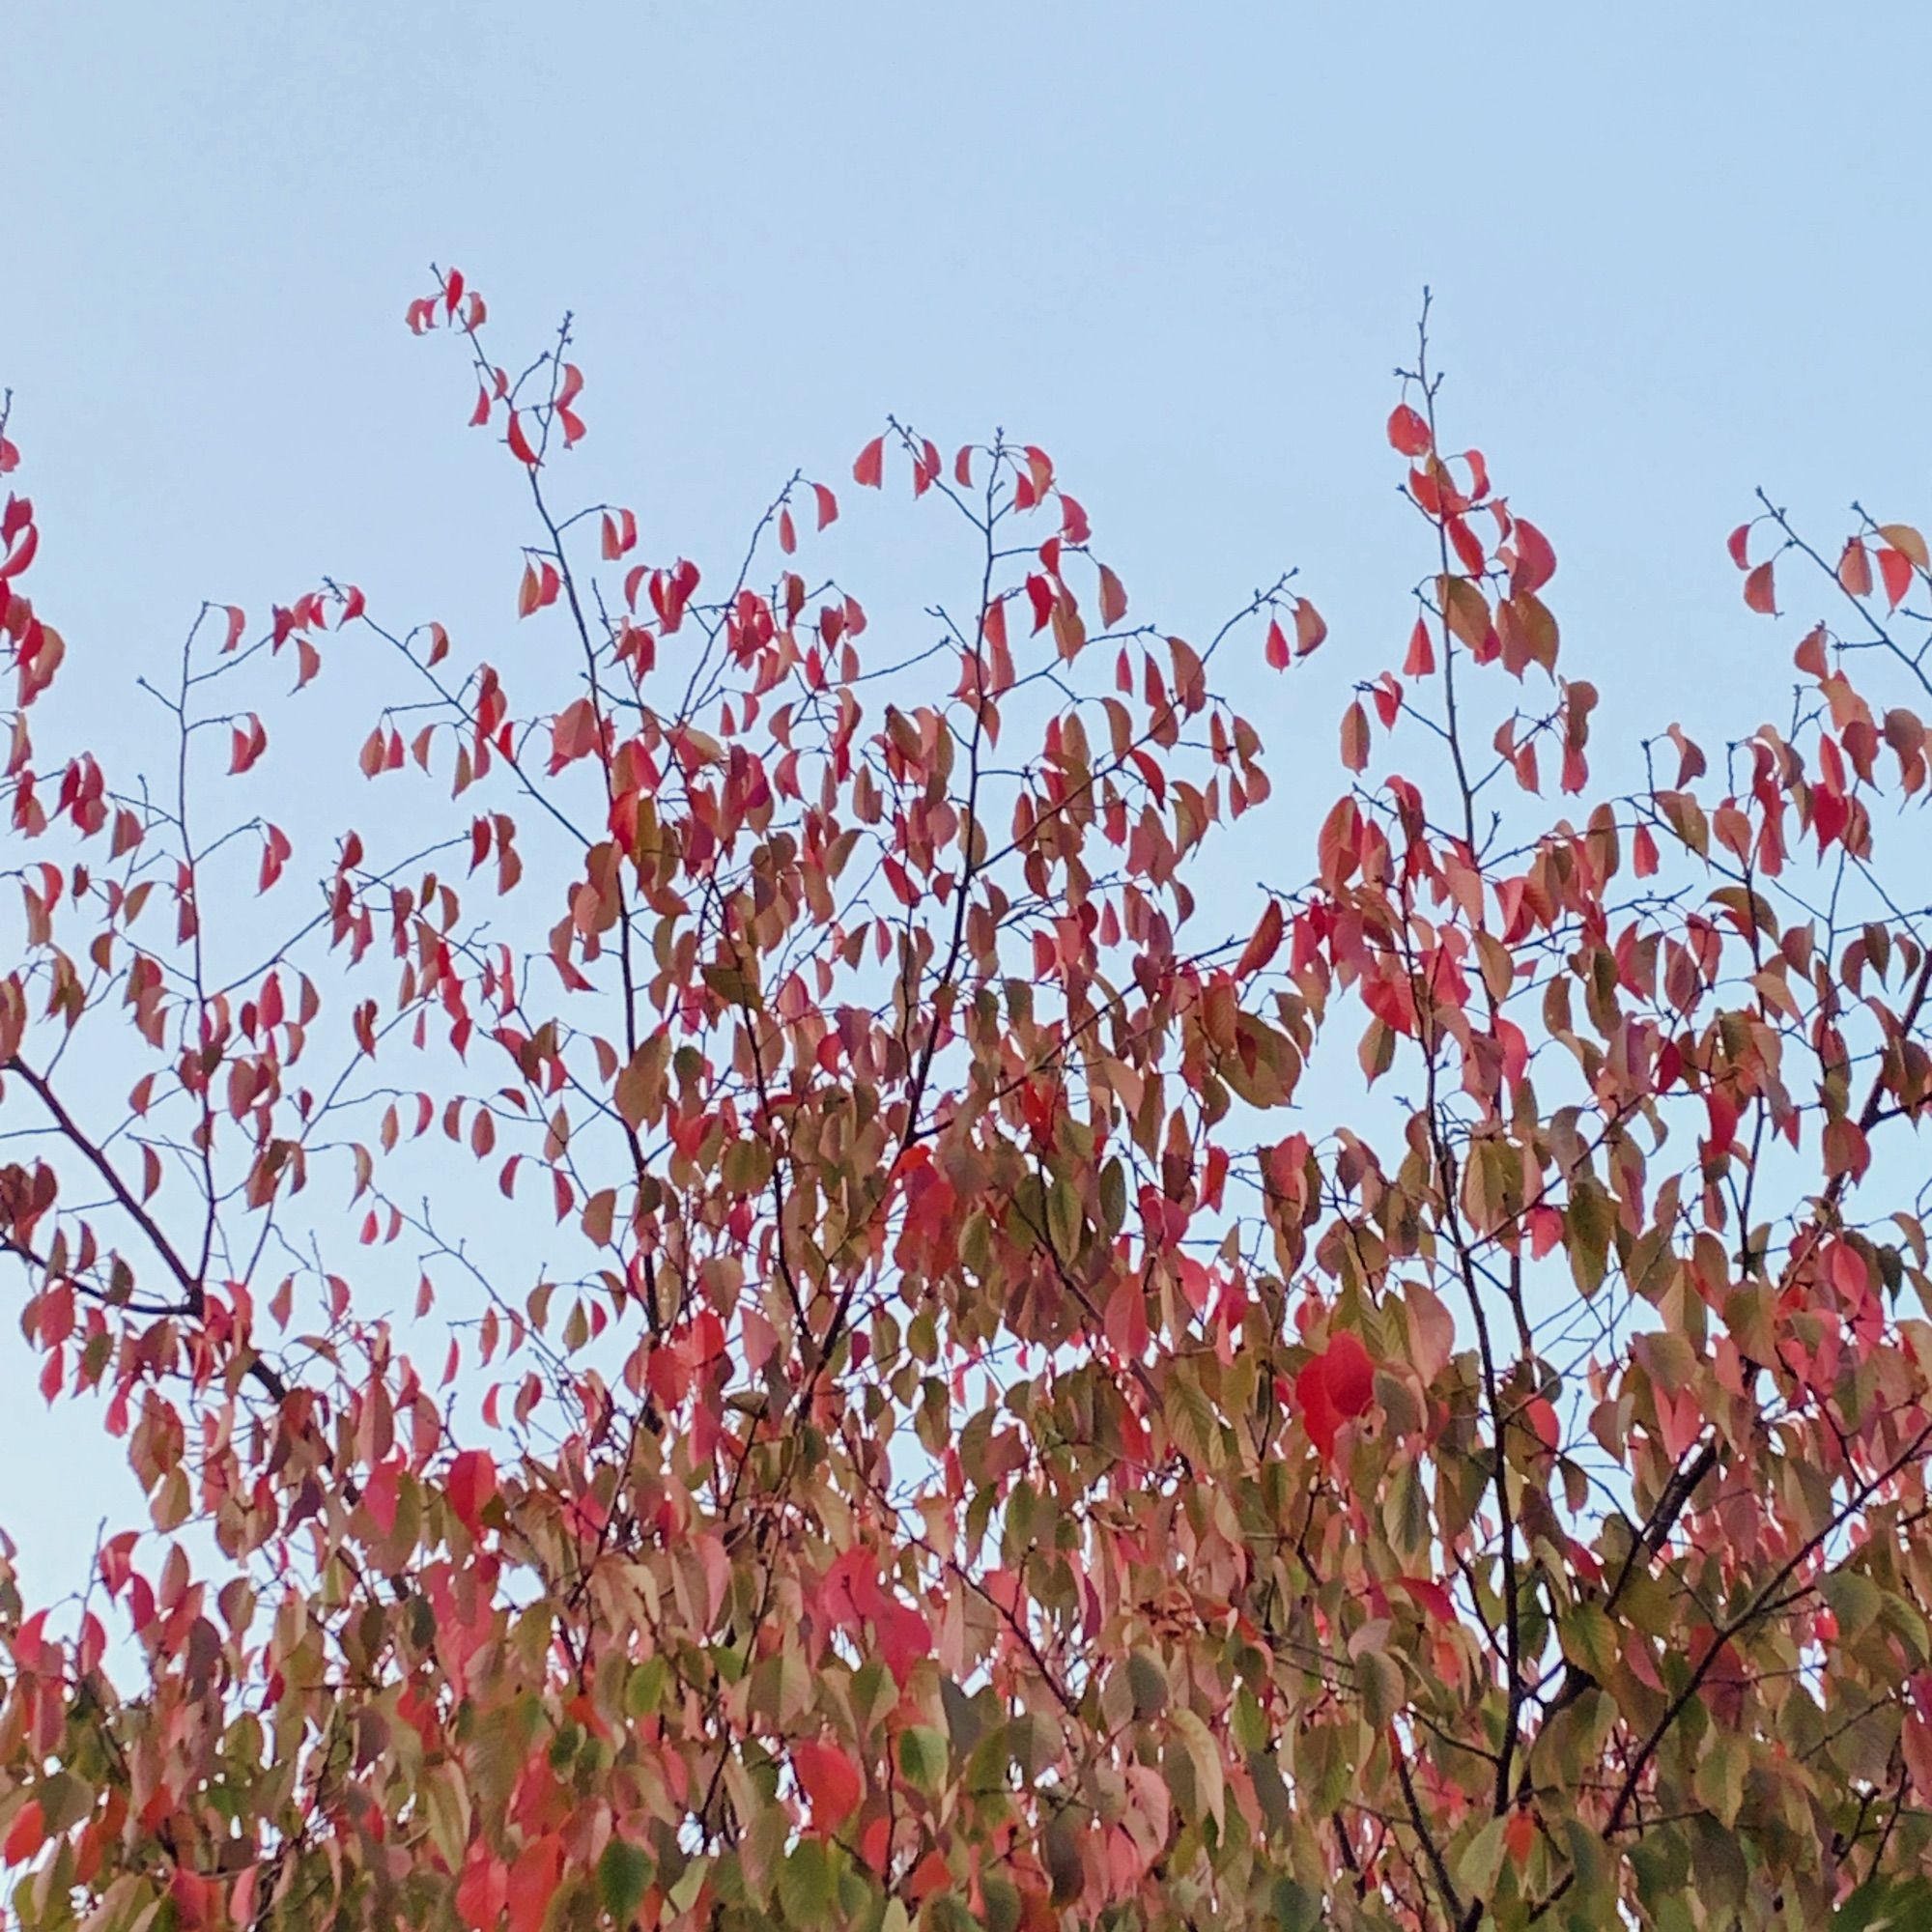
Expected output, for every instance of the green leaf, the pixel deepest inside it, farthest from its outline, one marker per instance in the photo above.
(923, 1757)
(1190, 1418)
(1720, 1783)
(1065, 1867)
(446, 1800)
(1589, 1640)
(1204, 1757)
(1148, 1683)
(624, 1874)
(1855, 1600)
(1482, 1859)
(807, 1885)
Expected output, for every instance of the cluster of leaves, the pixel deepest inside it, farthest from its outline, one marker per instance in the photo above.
(964, 1457)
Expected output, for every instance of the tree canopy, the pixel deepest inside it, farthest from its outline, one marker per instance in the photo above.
(735, 1311)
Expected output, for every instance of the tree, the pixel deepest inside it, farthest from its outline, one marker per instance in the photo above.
(845, 1395)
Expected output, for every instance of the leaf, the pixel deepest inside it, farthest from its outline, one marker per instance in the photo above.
(1263, 943)
(1535, 562)
(534, 1882)
(519, 443)
(1310, 628)
(1148, 1682)
(830, 1780)
(1482, 1861)
(25, 1835)
(1408, 431)
(470, 1486)
(1112, 599)
(624, 1874)
(1355, 738)
(1719, 1782)
(1904, 538)
(1204, 1758)
(1421, 659)
(869, 471)
(1895, 568)
(1760, 595)
(1855, 1600)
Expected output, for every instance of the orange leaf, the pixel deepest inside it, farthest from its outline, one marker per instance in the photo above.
(1113, 598)
(1262, 947)
(1355, 738)
(1310, 628)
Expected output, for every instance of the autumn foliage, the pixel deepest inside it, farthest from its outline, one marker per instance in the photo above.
(744, 1307)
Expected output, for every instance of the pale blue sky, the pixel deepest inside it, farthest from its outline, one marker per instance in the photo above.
(1677, 251)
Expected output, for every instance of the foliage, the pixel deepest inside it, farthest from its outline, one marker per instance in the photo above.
(966, 1451)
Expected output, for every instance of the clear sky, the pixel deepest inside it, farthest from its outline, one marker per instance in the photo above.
(1677, 251)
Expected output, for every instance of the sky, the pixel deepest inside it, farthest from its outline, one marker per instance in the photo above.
(1675, 253)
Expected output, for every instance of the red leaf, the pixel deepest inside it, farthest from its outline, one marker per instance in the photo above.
(1408, 431)
(1759, 592)
(1332, 1389)
(26, 1836)
(1535, 562)
(235, 623)
(1738, 543)
(787, 533)
(1041, 591)
(483, 1890)
(828, 505)
(519, 443)
(1351, 1376)
(1854, 571)
(1421, 659)
(830, 1780)
(1895, 567)
(1276, 650)
(533, 1880)
(470, 1484)
(870, 467)
(1643, 853)
(1519, 1837)
(1388, 700)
